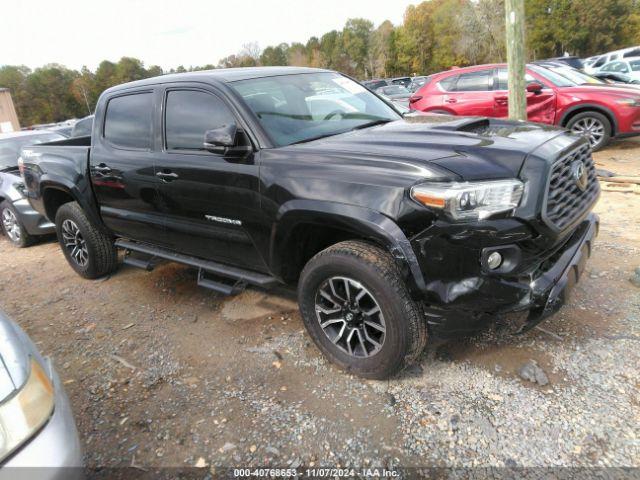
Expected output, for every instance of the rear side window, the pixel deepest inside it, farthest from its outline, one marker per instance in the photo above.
(190, 113)
(448, 83)
(128, 121)
(474, 81)
(600, 62)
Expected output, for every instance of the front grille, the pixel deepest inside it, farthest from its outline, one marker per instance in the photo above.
(565, 200)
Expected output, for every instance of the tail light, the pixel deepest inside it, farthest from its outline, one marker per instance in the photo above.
(21, 165)
(415, 98)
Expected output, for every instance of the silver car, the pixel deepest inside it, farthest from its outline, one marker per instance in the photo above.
(18, 221)
(37, 429)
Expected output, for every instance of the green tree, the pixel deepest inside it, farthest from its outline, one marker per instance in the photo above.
(275, 55)
(355, 42)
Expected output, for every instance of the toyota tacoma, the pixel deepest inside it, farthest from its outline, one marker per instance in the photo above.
(394, 228)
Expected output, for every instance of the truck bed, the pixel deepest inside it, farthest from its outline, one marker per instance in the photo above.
(64, 163)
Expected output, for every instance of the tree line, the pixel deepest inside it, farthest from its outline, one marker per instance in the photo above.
(433, 36)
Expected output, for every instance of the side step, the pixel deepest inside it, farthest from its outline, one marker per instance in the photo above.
(204, 266)
(147, 264)
(220, 285)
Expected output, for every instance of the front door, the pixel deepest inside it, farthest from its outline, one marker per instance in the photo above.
(541, 106)
(210, 200)
(122, 167)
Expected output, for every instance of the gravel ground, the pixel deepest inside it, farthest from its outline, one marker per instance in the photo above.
(164, 374)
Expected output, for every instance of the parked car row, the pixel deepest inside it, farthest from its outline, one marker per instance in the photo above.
(410, 83)
(556, 95)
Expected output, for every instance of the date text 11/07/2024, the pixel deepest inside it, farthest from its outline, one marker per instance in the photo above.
(315, 472)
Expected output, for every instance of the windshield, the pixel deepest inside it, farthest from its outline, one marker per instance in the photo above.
(10, 147)
(576, 76)
(303, 107)
(553, 77)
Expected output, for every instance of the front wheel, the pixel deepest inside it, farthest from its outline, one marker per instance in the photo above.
(592, 125)
(357, 309)
(90, 252)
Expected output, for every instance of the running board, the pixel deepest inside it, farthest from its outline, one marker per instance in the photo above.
(214, 268)
(220, 285)
(145, 264)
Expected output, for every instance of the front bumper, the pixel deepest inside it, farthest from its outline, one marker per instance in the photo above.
(551, 290)
(54, 453)
(465, 298)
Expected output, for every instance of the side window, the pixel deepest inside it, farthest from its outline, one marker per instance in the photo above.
(599, 62)
(474, 81)
(448, 83)
(503, 79)
(189, 114)
(129, 120)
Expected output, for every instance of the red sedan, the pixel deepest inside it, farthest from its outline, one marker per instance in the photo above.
(596, 111)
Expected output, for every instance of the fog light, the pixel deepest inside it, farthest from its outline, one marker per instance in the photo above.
(494, 260)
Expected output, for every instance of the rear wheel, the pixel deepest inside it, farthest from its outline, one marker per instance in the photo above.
(592, 125)
(357, 309)
(12, 227)
(90, 252)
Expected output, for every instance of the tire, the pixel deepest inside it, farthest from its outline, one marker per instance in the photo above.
(361, 267)
(90, 252)
(593, 125)
(12, 227)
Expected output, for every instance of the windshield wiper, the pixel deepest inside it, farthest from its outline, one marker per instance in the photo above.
(318, 137)
(373, 123)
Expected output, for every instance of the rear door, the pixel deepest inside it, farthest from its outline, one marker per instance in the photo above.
(470, 94)
(122, 166)
(541, 107)
(210, 201)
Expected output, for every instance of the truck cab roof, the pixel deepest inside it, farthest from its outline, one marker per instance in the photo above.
(221, 75)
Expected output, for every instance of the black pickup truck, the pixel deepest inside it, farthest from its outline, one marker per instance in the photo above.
(393, 228)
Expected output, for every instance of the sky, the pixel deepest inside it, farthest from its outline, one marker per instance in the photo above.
(168, 33)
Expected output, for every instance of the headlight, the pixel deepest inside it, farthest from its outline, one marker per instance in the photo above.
(25, 412)
(629, 102)
(471, 200)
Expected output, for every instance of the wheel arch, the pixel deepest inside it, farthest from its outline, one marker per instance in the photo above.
(55, 193)
(299, 221)
(590, 107)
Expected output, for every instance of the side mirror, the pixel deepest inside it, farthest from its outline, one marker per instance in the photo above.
(220, 138)
(534, 87)
(223, 141)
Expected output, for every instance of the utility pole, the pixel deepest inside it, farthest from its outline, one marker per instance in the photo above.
(86, 100)
(514, 13)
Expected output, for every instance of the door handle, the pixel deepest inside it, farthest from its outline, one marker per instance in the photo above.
(450, 100)
(102, 168)
(167, 177)
(501, 100)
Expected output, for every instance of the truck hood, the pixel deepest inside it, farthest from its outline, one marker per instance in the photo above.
(472, 148)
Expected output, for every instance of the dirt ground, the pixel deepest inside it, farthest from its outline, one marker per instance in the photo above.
(162, 373)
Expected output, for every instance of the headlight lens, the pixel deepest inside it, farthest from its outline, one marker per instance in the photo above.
(629, 102)
(25, 412)
(470, 200)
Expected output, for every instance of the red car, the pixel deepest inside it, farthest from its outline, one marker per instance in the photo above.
(596, 111)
